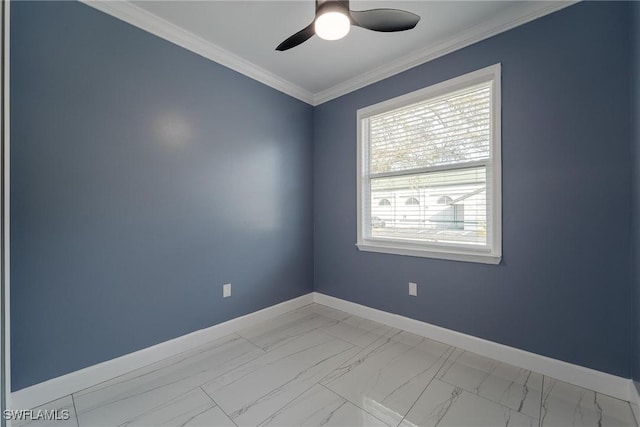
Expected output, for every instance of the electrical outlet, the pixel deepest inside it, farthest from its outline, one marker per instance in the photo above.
(413, 289)
(226, 290)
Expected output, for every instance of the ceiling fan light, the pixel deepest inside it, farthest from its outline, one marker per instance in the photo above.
(332, 25)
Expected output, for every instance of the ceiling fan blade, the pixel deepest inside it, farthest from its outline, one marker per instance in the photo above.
(385, 20)
(298, 38)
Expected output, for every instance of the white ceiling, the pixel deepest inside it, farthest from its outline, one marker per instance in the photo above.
(243, 35)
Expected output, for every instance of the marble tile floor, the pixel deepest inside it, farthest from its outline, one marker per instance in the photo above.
(316, 366)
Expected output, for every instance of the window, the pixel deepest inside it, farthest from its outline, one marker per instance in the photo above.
(445, 200)
(412, 201)
(384, 202)
(436, 151)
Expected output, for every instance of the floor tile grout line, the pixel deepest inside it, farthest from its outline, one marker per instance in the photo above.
(323, 330)
(184, 352)
(362, 349)
(354, 404)
(251, 360)
(199, 385)
(285, 341)
(485, 398)
(358, 349)
(160, 405)
(341, 339)
(289, 402)
(234, 367)
(156, 362)
(453, 350)
(353, 347)
(288, 339)
(286, 404)
(51, 401)
(286, 326)
(379, 336)
(251, 342)
(416, 401)
(305, 390)
(365, 333)
(236, 333)
(217, 405)
(75, 410)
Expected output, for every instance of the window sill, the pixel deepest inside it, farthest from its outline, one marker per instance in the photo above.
(398, 249)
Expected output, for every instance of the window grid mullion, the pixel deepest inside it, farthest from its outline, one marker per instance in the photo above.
(416, 171)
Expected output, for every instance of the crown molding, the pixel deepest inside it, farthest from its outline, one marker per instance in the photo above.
(475, 34)
(136, 16)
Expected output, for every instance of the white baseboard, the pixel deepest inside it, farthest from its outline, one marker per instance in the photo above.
(64, 385)
(601, 382)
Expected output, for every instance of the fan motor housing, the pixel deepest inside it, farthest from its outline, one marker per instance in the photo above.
(324, 6)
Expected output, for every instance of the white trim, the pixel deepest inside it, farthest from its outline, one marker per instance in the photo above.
(459, 41)
(6, 170)
(396, 248)
(56, 388)
(601, 382)
(492, 252)
(442, 88)
(64, 385)
(496, 164)
(134, 15)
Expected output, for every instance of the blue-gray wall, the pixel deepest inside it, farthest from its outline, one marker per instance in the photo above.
(563, 287)
(143, 177)
(635, 73)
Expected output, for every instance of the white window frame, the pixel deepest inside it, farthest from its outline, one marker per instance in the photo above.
(492, 254)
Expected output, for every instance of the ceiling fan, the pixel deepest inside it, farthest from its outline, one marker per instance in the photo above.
(333, 21)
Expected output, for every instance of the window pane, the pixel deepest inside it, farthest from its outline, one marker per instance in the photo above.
(452, 129)
(444, 207)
